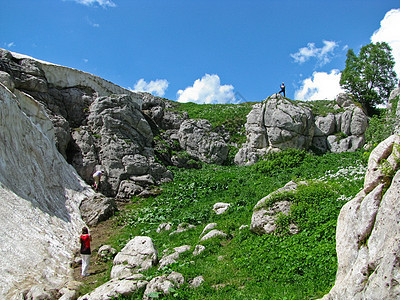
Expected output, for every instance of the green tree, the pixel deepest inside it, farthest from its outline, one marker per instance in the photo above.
(369, 77)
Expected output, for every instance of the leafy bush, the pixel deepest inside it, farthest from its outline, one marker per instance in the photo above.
(277, 161)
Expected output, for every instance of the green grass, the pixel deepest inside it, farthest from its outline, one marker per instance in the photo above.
(246, 265)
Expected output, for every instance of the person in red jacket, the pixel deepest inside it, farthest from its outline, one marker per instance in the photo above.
(85, 239)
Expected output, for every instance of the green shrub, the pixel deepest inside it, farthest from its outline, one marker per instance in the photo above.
(278, 161)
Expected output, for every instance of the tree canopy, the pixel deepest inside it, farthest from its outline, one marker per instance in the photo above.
(370, 77)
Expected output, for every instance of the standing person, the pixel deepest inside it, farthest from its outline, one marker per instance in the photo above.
(283, 89)
(96, 178)
(85, 239)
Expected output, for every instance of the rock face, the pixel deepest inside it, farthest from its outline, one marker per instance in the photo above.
(277, 124)
(40, 194)
(368, 230)
(97, 125)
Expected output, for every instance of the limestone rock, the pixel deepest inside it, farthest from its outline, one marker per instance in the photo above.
(97, 208)
(164, 226)
(212, 234)
(115, 288)
(219, 208)
(367, 233)
(393, 108)
(163, 284)
(208, 227)
(137, 256)
(170, 259)
(197, 281)
(106, 251)
(197, 138)
(94, 122)
(182, 227)
(198, 249)
(277, 123)
(263, 218)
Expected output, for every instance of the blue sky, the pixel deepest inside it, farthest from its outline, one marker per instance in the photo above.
(203, 51)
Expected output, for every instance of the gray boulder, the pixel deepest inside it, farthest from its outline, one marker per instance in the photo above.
(264, 217)
(97, 208)
(137, 256)
(212, 234)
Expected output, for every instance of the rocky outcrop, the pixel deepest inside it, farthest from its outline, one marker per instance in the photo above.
(197, 138)
(97, 124)
(277, 124)
(183, 141)
(368, 230)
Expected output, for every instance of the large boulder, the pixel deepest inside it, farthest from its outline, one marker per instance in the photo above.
(368, 228)
(137, 256)
(276, 124)
(263, 220)
(97, 208)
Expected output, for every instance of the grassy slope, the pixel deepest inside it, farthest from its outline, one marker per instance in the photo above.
(245, 265)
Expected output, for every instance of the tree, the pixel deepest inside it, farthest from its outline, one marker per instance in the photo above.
(370, 77)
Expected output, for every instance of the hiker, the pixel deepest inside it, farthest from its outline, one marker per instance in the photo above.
(85, 239)
(283, 89)
(96, 178)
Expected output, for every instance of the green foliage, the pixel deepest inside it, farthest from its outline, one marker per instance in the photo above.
(245, 265)
(279, 161)
(369, 77)
(378, 130)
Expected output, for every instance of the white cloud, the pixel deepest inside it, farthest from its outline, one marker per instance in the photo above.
(155, 87)
(208, 90)
(323, 55)
(102, 3)
(389, 32)
(320, 86)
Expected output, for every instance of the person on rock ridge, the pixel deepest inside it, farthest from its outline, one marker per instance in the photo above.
(283, 89)
(85, 239)
(96, 177)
